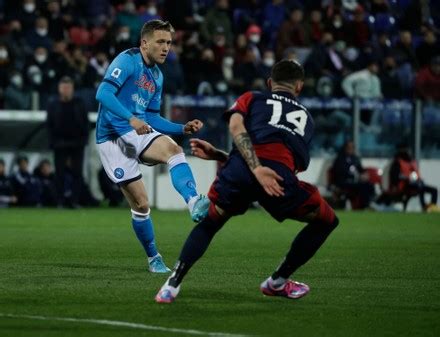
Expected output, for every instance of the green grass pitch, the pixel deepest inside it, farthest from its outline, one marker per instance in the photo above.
(377, 275)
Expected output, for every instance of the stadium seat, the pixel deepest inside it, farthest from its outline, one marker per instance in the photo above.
(79, 36)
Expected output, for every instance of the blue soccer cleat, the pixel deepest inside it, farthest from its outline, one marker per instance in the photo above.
(200, 209)
(156, 265)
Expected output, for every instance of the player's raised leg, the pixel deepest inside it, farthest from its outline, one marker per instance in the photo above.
(195, 246)
(321, 223)
(165, 150)
(142, 224)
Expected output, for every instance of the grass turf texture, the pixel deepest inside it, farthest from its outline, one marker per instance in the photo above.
(377, 275)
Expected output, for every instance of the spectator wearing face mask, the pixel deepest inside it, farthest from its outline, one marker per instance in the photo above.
(149, 11)
(337, 26)
(228, 70)
(55, 20)
(39, 36)
(121, 41)
(41, 75)
(26, 14)
(253, 36)
(264, 68)
(17, 96)
(128, 16)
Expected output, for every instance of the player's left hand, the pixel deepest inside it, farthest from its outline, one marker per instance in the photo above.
(269, 180)
(192, 126)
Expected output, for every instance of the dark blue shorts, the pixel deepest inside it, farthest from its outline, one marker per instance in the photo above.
(235, 188)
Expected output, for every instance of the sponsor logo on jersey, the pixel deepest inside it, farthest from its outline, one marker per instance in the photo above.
(145, 83)
(116, 72)
(119, 173)
(139, 100)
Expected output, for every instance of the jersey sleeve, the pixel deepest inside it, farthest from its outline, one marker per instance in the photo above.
(119, 70)
(241, 105)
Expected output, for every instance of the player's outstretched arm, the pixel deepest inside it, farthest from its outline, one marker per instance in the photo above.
(205, 150)
(267, 177)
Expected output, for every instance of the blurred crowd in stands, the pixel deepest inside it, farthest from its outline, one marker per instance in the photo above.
(372, 49)
(349, 48)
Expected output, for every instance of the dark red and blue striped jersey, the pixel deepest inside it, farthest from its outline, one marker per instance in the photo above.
(279, 126)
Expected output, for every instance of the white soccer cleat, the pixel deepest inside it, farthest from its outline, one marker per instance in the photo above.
(167, 294)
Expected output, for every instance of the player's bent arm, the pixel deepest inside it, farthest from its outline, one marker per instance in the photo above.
(267, 177)
(243, 141)
(106, 96)
(163, 125)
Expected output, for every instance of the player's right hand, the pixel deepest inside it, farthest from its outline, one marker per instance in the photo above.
(269, 180)
(202, 149)
(140, 126)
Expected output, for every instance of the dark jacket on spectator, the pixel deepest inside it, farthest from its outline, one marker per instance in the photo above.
(27, 188)
(67, 123)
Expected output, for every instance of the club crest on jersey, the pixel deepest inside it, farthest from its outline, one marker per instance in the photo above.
(145, 83)
(119, 173)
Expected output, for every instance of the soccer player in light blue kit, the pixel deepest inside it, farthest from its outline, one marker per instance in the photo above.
(130, 131)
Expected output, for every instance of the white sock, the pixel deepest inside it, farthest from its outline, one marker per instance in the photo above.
(174, 291)
(191, 202)
(277, 283)
(153, 257)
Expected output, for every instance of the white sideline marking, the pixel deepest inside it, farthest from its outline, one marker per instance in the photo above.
(124, 324)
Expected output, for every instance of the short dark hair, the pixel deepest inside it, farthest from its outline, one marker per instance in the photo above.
(21, 158)
(152, 25)
(66, 79)
(287, 71)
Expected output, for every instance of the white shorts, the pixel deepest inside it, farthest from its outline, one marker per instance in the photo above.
(121, 157)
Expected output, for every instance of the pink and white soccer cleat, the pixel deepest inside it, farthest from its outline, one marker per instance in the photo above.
(291, 289)
(167, 294)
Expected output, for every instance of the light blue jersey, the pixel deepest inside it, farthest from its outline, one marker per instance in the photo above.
(138, 88)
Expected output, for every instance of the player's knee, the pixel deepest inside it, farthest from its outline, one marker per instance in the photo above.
(174, 149)
(142, 206)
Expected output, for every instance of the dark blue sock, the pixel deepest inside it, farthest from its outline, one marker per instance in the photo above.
(195, 246)
(183, 181)
(143, 227)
